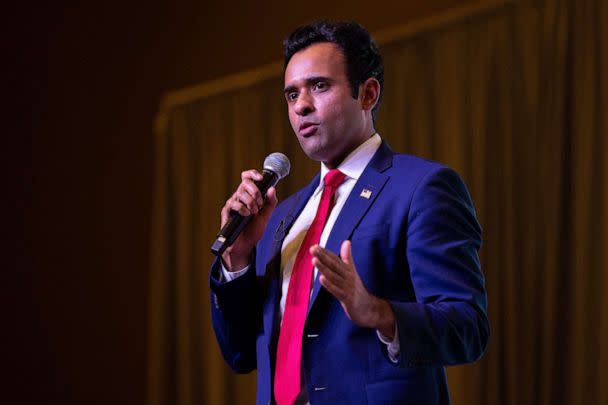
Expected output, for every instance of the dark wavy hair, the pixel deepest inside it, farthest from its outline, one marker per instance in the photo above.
(363, 59)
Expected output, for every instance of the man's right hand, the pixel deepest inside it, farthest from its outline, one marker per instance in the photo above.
(247, 200)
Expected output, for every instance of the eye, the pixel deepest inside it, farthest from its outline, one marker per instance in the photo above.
(319, 86)
(291, 96)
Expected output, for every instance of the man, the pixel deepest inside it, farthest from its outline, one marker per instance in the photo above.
(362, 286)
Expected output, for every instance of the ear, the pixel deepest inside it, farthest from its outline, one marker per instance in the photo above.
(369, 93)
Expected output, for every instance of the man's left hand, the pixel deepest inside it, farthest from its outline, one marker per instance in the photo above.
(339, 276)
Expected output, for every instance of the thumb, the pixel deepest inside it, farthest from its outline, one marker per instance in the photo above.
(271, 197)
(346, 253)
(270, 203)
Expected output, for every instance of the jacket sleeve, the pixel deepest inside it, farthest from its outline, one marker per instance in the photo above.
(447, 324)
(236, 314)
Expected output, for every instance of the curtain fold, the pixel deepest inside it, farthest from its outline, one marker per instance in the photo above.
(516, 100)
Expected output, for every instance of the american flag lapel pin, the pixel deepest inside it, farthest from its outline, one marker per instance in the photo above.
(365, 193)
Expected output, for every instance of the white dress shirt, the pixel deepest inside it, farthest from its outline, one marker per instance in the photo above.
(352, 167)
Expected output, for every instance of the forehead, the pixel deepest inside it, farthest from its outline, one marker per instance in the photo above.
(323, 59)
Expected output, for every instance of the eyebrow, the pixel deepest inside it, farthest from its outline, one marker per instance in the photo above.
(309, 81)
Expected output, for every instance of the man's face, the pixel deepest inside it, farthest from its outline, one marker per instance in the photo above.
(327, 120)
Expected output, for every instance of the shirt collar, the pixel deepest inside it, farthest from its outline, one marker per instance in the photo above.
(356, 161)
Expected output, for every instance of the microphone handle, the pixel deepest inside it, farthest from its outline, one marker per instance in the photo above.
(236, 223)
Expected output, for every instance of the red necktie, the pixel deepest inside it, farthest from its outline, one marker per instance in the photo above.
(289, 352)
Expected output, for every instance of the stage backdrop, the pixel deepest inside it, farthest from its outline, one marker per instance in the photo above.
(514, 96)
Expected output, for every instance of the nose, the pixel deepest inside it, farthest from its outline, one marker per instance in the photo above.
(304, 104)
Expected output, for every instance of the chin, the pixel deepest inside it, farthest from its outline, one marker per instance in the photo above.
(312, 150)
(317, 157)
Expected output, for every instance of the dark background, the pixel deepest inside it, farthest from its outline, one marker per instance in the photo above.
(83, 84)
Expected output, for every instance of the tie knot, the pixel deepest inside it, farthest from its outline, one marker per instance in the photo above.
(333, 178)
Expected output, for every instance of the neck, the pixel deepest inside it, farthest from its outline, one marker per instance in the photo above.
(334, 163)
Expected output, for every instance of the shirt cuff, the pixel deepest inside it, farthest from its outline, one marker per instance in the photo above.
(231, 275)
(392, 346)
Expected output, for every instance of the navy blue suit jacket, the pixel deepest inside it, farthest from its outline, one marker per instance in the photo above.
(415, 244)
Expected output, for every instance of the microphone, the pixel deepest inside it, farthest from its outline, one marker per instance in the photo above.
(276, 166)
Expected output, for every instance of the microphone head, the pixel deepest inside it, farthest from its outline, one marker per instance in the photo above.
(277, 163)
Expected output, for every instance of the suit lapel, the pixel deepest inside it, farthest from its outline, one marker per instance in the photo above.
(291, 210)
(359, 201)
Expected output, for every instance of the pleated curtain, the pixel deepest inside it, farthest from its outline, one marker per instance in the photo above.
(514, 96)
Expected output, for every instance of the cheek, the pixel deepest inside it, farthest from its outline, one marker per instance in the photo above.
(330, 112)
(338, 117)
(293, 119)
(348, 116)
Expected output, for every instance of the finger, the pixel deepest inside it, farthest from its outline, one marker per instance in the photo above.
(328, 272)
(252, 175)
(250, 188)
(232, 206)
(333, 288)
(328, 258)
(235, 205)
(248, 179)
(246, 199)
(346, 253)
(224, 215)
(271, 197)
(271, 202)
(242, 201)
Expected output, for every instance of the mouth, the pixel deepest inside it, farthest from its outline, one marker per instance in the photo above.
(307, 129)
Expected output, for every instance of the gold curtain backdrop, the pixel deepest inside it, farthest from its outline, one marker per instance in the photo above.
(514, 96)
